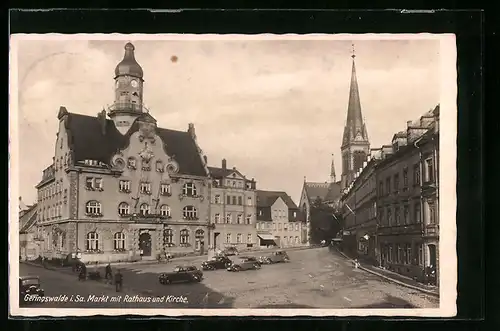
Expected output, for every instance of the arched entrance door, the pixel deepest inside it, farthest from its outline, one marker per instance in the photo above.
(432, 255)
(199, 239)
(145, 244)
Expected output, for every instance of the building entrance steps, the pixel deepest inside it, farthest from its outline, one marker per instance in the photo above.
(393, 276)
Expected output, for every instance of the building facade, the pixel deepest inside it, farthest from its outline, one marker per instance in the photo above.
(120, 187)
(279, 221)
(406, 176)
(29, 245)
(233, 208)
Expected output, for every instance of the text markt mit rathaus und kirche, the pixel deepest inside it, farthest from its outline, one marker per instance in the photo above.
(106, 298)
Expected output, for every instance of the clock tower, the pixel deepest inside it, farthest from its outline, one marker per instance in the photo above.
(129, 85)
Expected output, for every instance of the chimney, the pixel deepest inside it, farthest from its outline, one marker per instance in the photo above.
(191, 130)
(102, 121)
(224, 164)
(205, 159)
(408, 124)
(234, 168)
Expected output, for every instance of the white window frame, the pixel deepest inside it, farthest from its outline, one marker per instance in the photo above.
(119, 241)
(169, 236)
(184, 236)
(189, 189)
(124, 185)
(165, 188)
(165, 210)
(92, 241)
(249, 219)
(145, 209)
(92, 207)
(239, 238)
(217, 199)
(228, 238)
(123, 209)
(146, 187)
(229, 218)
(190, 212)
(239, 219)
(249, 238)
(217, 218)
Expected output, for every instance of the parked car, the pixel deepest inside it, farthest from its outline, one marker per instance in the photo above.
(230, 251)
(29, 285)
(244, 263)
(274, 257)
(185, 274)
(217, 262)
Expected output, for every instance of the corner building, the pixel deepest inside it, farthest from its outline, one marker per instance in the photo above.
(120, 187)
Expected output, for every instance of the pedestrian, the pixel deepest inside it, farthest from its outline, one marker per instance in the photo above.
(356, 264)
(83, 272)
(118, 281)
(108, 272)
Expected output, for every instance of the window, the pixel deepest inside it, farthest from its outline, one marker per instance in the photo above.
(240, 201)
(279, 226)
(390, 255)
(199, 236)
(119, 241)
(123, 208)
(228, 238)
(165, 189)
(388, 185)
(92, 241)
(285, 239)
(416, 211)
(405, 178)
(93, 208)
(396, 215)
(184, 236)
(146, 188)
(396, 182)
(416, 174)
(285, 227)
(297, 240)
(145, 164)
(408, 254)
(399, 252)
(228, 199)
(89, 183)
(131, 163)
(294, 214)
(249, 238)
(249, 219)
(168, 235)
(389, 216)
(217, 218)
(165, 210)
(238, 238)
(382, 219)
(258, 226)
(234, 200)
(228, 218)
(297, 227)
(432, 213)
(145, 210)
(420, 255)
(189, 189)
(217, 198)
(98, 183)
(406, 214)
(249, 201)
(159, 166)
(429, 166)
(239, 219)
(260, 212)
(124, 186)
(190, 212)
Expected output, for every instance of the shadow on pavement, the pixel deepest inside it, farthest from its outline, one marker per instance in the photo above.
(197, 294)
(389, 302)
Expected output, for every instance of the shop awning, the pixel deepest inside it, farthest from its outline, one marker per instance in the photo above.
(265, 236)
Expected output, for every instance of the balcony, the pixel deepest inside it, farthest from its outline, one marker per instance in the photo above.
(127, 107)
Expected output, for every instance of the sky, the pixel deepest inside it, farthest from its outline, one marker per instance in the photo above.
(275, 109)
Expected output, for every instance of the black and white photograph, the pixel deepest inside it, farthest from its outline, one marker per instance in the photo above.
(232, 175)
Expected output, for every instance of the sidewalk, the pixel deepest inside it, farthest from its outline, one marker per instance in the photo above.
(397, 278)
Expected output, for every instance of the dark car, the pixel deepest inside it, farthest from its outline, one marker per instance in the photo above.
(181, 274)
(217, 262)
(275, 257)
(244, 263)
(29, 286)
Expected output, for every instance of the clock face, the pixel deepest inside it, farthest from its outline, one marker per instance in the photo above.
(133, 83)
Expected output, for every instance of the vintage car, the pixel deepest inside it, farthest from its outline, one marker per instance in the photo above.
(217, 262)
(274, 257)
(181, 274)
(230, 251)
(244, 263)
(29, 285)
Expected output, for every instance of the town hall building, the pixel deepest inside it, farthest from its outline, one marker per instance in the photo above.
(120, 187)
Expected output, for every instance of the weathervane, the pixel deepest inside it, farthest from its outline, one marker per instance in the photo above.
(353, 52)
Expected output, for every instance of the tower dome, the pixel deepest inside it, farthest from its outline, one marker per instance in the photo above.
(129, 66)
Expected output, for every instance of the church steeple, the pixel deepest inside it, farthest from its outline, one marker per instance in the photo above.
(333, 177)
(355, 143)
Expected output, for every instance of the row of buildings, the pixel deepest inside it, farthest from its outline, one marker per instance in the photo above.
(120, 187)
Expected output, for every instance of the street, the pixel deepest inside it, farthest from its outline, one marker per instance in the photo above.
(314, 278)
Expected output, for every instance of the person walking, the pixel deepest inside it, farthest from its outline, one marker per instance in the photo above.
(109, 272)
(83, 272)
(118, 281)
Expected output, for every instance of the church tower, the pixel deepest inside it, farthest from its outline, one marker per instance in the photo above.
(333, 177)
(129, 84)
(355, 143)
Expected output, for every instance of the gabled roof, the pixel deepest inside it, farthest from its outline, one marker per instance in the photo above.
(268, 198)
(216, 172)
(26, 224)
(325, 191)
(89, 141)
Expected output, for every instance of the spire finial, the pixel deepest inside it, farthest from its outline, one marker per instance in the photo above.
(353, 52)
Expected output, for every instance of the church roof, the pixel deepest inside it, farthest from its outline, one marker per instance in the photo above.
(129, 66)
(89, 141)
(325, 191)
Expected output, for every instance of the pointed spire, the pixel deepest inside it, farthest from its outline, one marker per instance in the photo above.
(333, 177)
(354, 124)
